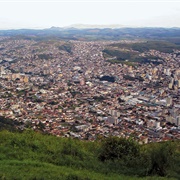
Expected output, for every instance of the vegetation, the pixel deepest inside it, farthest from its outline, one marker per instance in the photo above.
(8, 124)
(125, 57)
(115, 148)
(124, 52)
(130, 78)
(45, 56)
(32, 155)
(66, 47)
(161, 46)
(98, 98)
(121, 55)
(107, 78)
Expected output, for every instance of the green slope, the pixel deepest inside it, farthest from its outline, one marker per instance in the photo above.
(31, 155)
(14, 169)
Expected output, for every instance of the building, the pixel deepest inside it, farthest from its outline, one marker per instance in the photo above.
(168, 101)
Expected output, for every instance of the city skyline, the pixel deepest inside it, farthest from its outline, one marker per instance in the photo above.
(45, 14)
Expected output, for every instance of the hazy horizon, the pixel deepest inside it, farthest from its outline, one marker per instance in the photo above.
(42, 14)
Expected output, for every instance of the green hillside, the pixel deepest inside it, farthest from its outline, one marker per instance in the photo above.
(31, 155)
(161, 46)
(122, 52)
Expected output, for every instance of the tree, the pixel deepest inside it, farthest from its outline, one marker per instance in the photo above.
(162, 158)
(118, 148)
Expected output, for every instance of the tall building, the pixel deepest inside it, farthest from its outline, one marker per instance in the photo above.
(172, 80)
(157, 124)
(1, 70)
(178, 121)
(154, 71)
(170, 85)
(26, 79)
(167, 72)
(178, 83)
(168, 101)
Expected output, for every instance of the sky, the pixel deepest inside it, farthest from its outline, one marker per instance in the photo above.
(16, 14)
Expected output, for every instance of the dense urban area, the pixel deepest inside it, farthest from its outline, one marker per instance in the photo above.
(75, 89)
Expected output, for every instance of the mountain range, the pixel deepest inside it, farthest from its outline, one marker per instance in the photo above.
(99, 32)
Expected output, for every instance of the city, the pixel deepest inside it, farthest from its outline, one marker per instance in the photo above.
(71, 89)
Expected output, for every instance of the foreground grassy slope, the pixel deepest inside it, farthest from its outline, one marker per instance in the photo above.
(31, 155)
(13, 169)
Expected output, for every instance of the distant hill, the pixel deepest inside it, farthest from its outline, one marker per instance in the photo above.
(113, 32)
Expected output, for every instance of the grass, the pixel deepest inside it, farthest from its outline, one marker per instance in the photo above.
(31, 155)
(27, 169)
